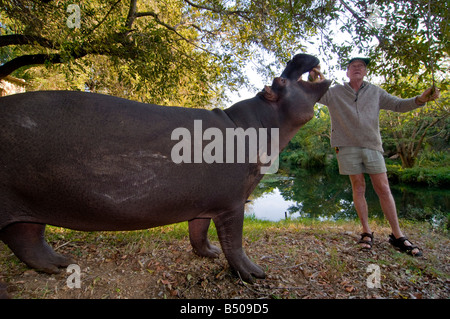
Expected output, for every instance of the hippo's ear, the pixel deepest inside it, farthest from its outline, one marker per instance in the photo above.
(270, 94)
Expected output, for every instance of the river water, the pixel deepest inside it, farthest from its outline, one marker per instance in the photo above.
(323, 195)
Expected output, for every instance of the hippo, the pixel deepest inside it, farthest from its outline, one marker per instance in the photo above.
(93, 162)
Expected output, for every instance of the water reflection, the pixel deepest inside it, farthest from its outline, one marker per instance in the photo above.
(328, 196)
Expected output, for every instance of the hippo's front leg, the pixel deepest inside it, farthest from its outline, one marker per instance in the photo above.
(198, 235)
(229, 227)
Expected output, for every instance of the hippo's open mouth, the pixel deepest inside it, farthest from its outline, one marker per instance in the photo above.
(300, 64)
(312, 65)
(299, 79)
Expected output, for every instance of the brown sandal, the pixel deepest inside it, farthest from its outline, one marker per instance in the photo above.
(367, 242)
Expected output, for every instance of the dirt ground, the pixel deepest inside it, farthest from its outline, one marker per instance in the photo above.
(300, 261)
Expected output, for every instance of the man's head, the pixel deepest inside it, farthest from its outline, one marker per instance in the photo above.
(357, 68)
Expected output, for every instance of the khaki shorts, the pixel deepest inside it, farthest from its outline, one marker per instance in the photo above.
(358, 160)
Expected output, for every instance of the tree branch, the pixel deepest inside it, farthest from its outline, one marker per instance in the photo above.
(131, 14)
(96, 47)
(422, 137)
(360, 20)
(16, 63)
(241, 13)
(155, 16)
(171, 28)
(37, 59)
(106, 16)
(22, 39)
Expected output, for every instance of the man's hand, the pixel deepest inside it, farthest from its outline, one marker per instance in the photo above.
(427, 96)
(315, 75)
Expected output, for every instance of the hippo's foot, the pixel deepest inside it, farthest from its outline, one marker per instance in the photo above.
(229, 228)
(207, 250)
(245, 268)
(27, 242)
(198, 235)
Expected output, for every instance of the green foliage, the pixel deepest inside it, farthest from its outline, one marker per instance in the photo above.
(409, 133)
(189, 51)
(434, 176)
(408, 38)
(431, 158)
(115, 51)
(168, 52)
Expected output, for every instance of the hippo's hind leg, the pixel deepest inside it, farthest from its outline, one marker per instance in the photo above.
(229, 228)
(27, 242)
(198, 235)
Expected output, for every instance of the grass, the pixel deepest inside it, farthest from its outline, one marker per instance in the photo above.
(302, 258)
(254, 230)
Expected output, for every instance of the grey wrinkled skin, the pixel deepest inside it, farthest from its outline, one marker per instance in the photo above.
(93, 162)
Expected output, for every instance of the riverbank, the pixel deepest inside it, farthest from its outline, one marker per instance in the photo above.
(429, 176)
(431, 173)
(302, 259)
(323, 194)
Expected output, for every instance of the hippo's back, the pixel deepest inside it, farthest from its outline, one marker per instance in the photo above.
(95, 162)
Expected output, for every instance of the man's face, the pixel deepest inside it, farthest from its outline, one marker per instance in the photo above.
(356, 70)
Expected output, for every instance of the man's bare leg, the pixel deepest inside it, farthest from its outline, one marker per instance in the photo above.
(359, 200)
(381, 185)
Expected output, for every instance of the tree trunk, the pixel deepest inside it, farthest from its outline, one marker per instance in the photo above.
(408, 161)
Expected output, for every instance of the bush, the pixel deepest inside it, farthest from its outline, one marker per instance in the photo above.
(300, 158)
(433, 158)
(431, 176)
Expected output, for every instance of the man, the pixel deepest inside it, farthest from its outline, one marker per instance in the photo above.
(354, 110)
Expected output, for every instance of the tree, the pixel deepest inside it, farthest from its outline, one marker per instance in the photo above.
(189, 51)
(408, 133)
(404, 38)
(158, 50)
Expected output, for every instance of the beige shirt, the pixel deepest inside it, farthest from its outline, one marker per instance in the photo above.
(355, 115)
